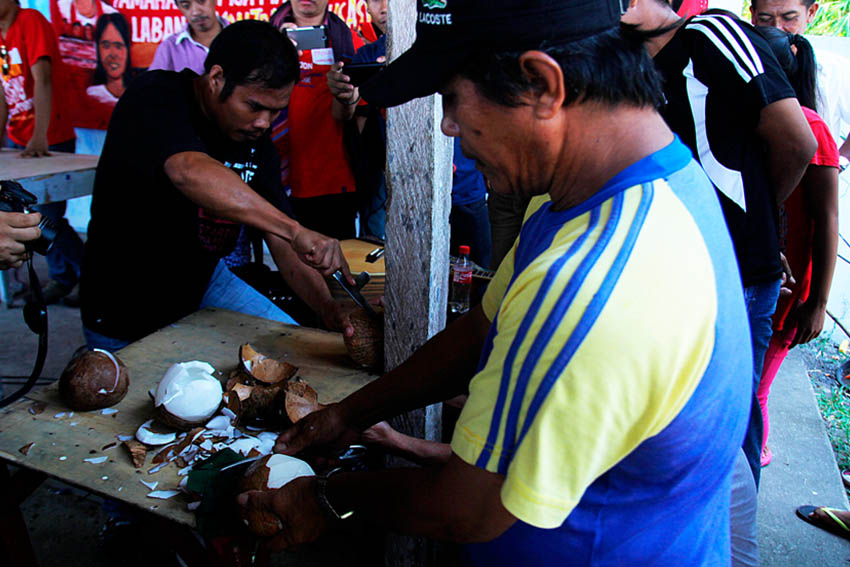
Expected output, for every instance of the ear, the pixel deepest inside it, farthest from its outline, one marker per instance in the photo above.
(216, 79)
(547, 96)
(811, 12)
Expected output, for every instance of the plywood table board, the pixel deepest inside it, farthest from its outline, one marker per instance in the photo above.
(62, 442)
(58, 177)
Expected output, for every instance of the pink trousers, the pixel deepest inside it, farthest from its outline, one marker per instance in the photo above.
(777, 350)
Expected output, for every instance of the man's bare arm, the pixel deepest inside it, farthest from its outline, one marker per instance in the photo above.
(222, 192)
(790, 145)
(437, 371)
(42, 104)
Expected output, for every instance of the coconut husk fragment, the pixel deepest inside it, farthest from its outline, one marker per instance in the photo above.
(301, 400)
(138, 451)
(26, 448)
(263, 368)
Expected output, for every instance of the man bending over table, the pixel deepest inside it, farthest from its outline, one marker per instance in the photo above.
(188, 160)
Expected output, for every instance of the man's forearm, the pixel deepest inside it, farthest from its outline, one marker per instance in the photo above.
(343, 112)
(450, 502)
(821, 198)
(307, 283)
(223, 193)
(439, 370)
(42, 98)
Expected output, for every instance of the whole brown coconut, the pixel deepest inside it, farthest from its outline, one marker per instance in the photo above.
(366, 345)
(94, 379)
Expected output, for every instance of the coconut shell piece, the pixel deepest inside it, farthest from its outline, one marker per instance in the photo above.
(171, 420)
(263, 368)
(259, 403)
(260, 476)
(26, 448)
(93, 379)
(301, 400)
(138, 451)
(366, 345)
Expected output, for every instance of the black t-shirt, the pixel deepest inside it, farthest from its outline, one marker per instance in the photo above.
(718, 75)
(151, 251)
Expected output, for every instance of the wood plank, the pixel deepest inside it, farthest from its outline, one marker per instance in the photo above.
(419, 181)
(59, 177)
(211, 335)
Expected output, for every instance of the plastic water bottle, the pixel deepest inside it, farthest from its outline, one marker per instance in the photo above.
(461, 282)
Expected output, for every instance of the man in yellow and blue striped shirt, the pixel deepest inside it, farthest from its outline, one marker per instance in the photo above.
(608, 367)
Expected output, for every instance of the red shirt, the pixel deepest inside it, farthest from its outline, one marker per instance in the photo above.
(30, 38)
(797, 227)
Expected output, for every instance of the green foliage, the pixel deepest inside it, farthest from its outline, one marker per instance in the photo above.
(834, 406)
(833, 18)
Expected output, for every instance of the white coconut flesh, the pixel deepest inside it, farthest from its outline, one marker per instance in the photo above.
(284, 469)
(103, 391)
(189, 391)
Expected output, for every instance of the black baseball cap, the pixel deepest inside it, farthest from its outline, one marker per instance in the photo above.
(447, 30)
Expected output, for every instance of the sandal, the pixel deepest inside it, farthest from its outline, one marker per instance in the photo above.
(832, 523)
(767, 456)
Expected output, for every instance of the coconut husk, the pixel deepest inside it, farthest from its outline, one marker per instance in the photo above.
(263, 368)
(138, 451)
(301, 400)
(261, 402)
(366, 345)
(89, 382)
(164, 417)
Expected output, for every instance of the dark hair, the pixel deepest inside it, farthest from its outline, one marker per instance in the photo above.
(806, 3)
(251, 52)
(612, 67)
(120, 23)
(800, 69)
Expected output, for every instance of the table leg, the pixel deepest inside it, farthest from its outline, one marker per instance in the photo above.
(14, 539)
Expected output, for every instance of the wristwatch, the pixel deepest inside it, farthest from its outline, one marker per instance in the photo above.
(322, 485)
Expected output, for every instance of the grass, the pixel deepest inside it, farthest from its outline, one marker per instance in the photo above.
(824, 360)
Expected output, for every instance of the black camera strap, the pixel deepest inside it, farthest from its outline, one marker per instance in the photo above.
(35, 316)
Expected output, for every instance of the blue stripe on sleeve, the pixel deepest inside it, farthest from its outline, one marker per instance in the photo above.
(550, 326)
(591, 313)
(551, 276)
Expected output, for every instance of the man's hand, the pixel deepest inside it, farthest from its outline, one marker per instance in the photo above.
(340, 85)
(325, 429)
(320, 252)
(37, 147)
(337, 317)
(296, 504)
(809, 319)
(15, 229)
(787, 277)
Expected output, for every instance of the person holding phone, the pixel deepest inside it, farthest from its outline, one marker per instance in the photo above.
(310, 136)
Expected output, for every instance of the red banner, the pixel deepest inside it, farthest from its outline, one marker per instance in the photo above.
(135, 29)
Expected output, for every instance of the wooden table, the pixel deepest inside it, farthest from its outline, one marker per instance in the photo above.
(58, 177)
(213, 335)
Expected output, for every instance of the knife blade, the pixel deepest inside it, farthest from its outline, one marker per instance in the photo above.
(353, 293)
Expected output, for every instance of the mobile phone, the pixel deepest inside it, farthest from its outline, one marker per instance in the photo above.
(312, 37)
(359, 73)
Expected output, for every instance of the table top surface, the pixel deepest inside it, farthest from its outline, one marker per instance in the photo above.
(12, 166)
(62, 440)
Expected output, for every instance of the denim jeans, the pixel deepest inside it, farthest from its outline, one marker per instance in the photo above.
(761, 303)
(470, 226)
(225, 291)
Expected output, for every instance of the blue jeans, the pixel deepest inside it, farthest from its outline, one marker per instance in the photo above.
(470, 225)
(225, 291)
(761, 303)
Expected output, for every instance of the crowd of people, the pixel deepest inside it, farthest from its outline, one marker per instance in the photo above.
(618, 164)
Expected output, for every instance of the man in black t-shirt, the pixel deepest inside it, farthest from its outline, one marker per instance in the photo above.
(730, 103)
(187, 160)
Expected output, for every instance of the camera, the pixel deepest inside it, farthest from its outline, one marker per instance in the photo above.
(15, 199)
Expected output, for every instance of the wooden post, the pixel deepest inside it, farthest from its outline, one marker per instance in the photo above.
(419, 179)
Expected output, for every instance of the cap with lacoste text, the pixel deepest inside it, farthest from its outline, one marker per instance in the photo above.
(447, 30)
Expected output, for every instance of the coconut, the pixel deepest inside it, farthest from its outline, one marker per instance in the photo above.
(188, 395)
(94, 379)
(270, 473)
(263, 368)
(366, 345)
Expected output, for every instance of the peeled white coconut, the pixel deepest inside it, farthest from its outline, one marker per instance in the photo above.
(270, 473)
(188, 395)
